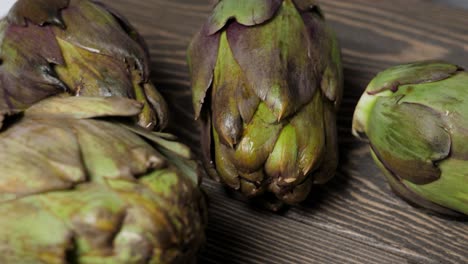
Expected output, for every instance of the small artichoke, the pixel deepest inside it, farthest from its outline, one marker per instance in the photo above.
(416, 119)
(80, 185)
(79, 47)
(267, 82)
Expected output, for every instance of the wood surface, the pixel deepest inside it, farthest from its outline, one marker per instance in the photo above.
(355, 218)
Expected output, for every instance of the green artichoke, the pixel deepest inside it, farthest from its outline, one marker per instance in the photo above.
(267, 82)
(80, 185)
(79, 47)
(416, 119)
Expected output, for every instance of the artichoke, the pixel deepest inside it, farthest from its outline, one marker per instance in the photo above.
(79, 184)
(267, 82)
(79, 47)
(415, 118)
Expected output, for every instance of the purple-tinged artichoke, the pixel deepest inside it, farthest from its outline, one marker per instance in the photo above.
(267, 82)
(79, 47)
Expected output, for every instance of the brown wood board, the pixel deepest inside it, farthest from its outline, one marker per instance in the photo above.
(355, 218)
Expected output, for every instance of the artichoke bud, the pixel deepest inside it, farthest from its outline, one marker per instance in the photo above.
(79, 47)
(267, 81)
(92, 189)
(415, 118)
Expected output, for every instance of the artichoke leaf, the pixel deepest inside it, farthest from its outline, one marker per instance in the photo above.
(412, 73)
(202, 56)
(284, 76)
(39, 12)
(227, 80)
(409, 138)
(258, 141)
(104, 36)
(83, 107)
(245, 12)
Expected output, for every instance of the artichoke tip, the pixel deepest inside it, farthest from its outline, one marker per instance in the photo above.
(364, 110)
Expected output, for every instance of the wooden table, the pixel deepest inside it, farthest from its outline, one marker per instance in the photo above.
(355, 218)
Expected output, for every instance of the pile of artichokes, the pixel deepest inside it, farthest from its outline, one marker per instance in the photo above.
(85, 179)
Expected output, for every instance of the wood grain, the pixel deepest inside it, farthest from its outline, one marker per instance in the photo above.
(355, 218)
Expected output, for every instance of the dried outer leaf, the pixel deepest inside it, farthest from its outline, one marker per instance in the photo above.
(39, 12)
(202, 55)
(412, 73)
(402, 190)
(104, 36)
(83, 107)
(26, 74)
(258, 141)
(245, 12)
(409, 138)
(280, 73)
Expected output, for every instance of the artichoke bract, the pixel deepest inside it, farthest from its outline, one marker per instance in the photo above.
(415, 118)
(267, 82)
(80, 185)
(79, 47)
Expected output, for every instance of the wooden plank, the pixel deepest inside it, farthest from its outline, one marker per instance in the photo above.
(355, 218)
